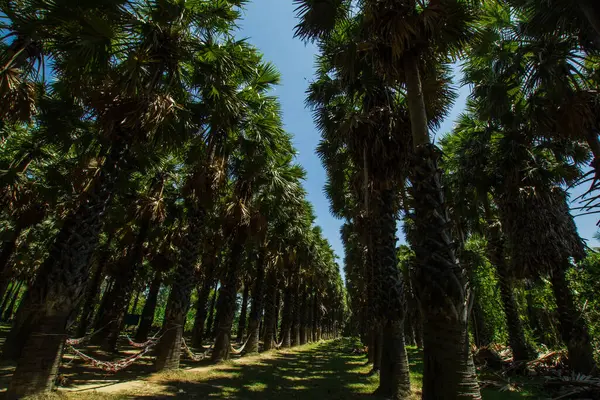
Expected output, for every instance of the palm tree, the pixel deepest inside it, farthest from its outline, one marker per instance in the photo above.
(514, 92)
(148, 74)
(470, 185)
(262, 164)
(407, 54)
(225, 117)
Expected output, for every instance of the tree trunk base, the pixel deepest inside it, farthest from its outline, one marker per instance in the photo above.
(394, 380)
(40, 358)
(168, 349)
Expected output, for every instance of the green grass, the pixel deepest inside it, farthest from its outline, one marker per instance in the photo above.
(311, 372)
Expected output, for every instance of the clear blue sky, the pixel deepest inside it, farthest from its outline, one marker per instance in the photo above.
(269, 25)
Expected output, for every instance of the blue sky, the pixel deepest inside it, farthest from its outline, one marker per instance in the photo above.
(269, 25)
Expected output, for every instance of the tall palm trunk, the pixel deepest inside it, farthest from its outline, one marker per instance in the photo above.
(91, 297)
(277, 314)
(573, 329)
(227, 299)
(11, 306)
(316, 318)
(93, 289)
(168, 349)
(286, 318)
(243, 312)
(256, 310)
(295, 327)
(211, 314)
(394, 374)
(270, 321)
(449, 372)
(522, 351)
(149, 309)
(110, 310)
(7, 296)
(104, 304)
(202, 304)
(303, 316)
(60, 283)
(8, 248)
(125, 286)
(136, 301)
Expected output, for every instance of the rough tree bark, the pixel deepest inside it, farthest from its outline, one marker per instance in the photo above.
(270, 321)
(147, 317)
(573, 329)
(449, 372)
(60, 283)
(211, 314)
(256, 310)
(227, 299)
(243, 312)
(168, 349)
(286, 318)
(93, 289)
(203, 294)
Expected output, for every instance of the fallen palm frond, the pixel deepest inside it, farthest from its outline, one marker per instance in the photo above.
(574, 384)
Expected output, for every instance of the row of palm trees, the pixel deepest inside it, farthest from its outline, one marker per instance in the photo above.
(141, 145)
(383, 83)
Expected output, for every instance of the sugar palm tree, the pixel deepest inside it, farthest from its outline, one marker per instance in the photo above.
(467, 151)
(224, 119)
(136, 98)
(406, 44)
(514, 92)
(261, 163)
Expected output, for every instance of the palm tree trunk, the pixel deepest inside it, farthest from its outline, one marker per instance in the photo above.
(227, 299)
(443, 290)
(277, 315)
(168, 349)
(304, 317)
(286, 318)
(104, 304)
(270, 321)
(147, 317)
(8, 248)
(93, 289)
(481, 334)
(62, 278)
(11, 306)
(211, 314)
(316, 318)
(394, 374)
(118, 299)
(295, 326)
(42, 346)
(572, 326)
(91, 295)
(256, 310)
(243, 312)
(394, 381)
(202, 304)
(125, 286)
(136, 300)
(522, 351)
(7, 297)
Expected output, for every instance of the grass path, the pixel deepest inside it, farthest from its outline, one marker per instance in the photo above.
(325, 370)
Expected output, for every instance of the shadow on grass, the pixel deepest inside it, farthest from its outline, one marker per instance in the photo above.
(327, 370)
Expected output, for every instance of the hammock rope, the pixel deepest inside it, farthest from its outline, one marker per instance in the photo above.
(108, 366)
(241, 349)
(144, 344)
(84, 339)
(191, 355)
